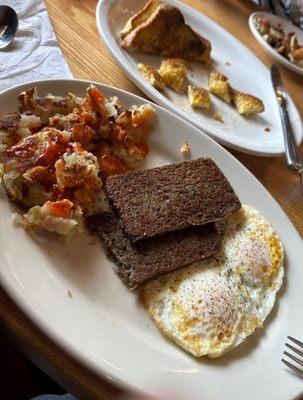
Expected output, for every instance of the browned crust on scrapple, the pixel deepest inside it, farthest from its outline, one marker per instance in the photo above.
(165, 33)
(164, 199)
(143, 261)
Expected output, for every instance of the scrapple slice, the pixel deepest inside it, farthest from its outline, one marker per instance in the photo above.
(148, 259)
(164, 199)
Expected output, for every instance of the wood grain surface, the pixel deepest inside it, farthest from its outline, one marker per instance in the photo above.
(75, 28)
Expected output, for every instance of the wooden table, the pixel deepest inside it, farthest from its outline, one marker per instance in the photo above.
(74, 25)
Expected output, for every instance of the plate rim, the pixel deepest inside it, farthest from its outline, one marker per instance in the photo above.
(46, 328)
(268, 49)
(15, 295)
(103, 26)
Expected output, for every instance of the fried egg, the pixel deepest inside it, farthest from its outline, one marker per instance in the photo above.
(211, 306)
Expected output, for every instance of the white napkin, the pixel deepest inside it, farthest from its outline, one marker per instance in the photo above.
(34, 54)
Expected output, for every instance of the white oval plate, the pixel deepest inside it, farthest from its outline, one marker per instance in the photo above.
(287, 27)
(246, 73)
(104, 326)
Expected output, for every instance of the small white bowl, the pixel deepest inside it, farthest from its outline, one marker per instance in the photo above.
(287, 27)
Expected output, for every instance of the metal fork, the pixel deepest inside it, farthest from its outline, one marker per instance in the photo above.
(295, 11)
(298, 361)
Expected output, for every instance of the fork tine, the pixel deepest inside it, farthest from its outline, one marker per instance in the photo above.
(296, 359)
(295, 341)
(292, 367)
(294, 349)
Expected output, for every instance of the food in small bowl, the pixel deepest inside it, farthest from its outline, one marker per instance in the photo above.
(286, 44)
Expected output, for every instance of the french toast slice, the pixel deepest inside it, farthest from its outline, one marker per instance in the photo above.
(198, 97)
(173, 72)
(247, 104)
(140, 17)
(218, 84)
(151, 75)
(160, 29)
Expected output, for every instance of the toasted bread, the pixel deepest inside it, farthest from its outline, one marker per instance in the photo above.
(218, 84)
(247, 104)
(198, 97)
(159, 28)
(173, 72)
(140, 17)
(151, 75)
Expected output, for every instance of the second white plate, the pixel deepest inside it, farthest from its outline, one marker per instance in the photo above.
(230, 57)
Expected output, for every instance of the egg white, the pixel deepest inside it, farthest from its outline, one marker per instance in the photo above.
(211, 306)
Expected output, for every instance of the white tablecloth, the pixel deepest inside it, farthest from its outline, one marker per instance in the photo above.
(34, 54)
